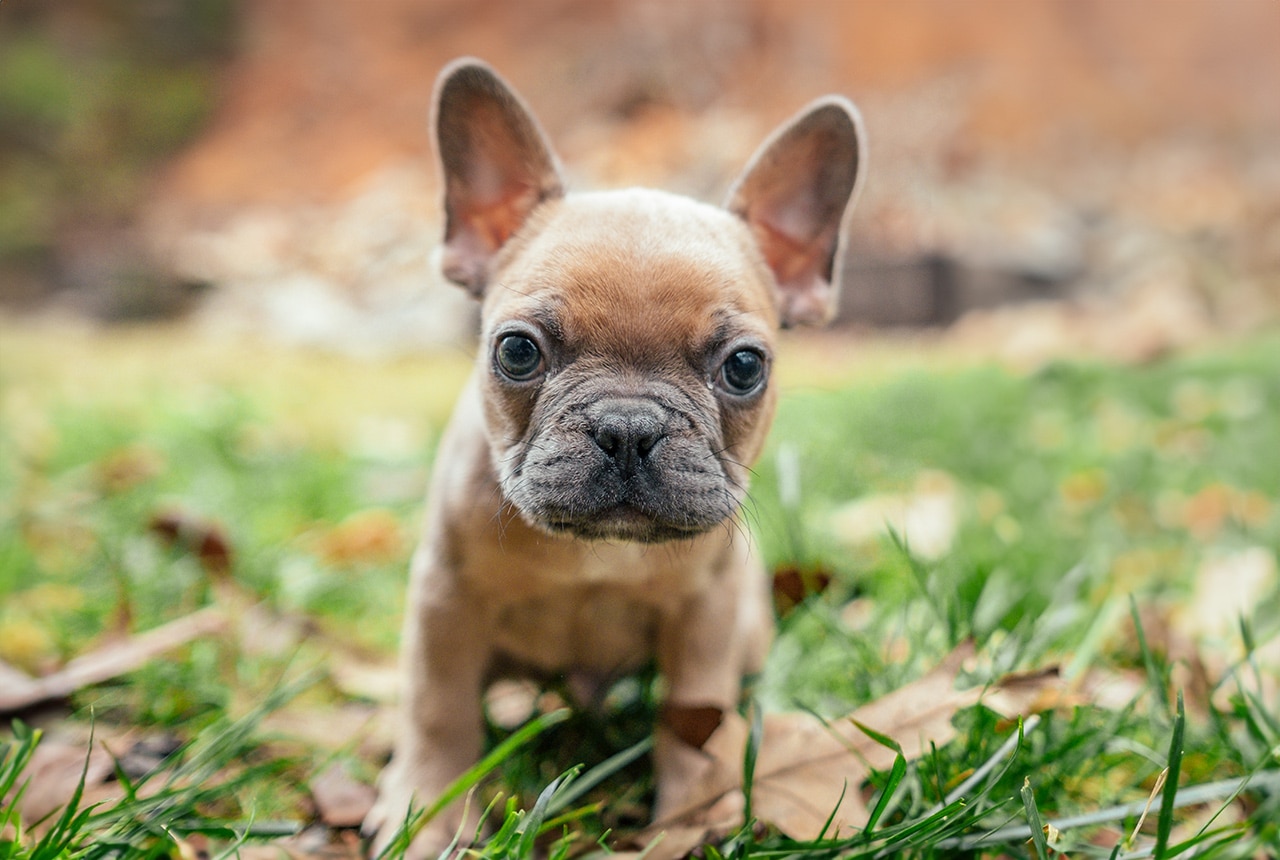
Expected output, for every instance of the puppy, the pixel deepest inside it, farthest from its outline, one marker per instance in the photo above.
(621, 392)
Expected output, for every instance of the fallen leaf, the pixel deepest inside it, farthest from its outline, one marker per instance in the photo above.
(127, 467)
(55, 769)
(806, 768)
(1110, 689)
(341, 800)
(792, 585)
(1227, 587)
(204, 538)
(315, 843)
(11, 676)
(148, 754)
(28, 644)
(926, 518)
(367, 537)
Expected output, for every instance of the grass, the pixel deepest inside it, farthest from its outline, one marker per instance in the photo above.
(1089, 502)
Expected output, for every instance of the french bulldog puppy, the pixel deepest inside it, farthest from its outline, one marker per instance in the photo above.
(583, 514)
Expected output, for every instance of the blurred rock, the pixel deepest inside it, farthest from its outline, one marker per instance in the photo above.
(979, 244)
(354, 276)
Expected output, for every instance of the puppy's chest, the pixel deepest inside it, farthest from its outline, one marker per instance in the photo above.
(597, 628)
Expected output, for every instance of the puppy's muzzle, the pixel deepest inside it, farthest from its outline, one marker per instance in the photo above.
(627, 430)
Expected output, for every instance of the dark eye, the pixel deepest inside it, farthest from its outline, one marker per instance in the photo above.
(519, 358)
(743, 371)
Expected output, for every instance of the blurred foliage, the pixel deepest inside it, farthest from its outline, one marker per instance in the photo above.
(93, 96)
(1074, 488)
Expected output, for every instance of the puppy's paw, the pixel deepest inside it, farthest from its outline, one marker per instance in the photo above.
(388, 823)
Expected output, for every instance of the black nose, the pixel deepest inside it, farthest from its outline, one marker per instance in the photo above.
(627, 430)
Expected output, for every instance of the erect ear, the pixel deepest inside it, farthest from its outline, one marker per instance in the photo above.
(794, 194)
(496, 166)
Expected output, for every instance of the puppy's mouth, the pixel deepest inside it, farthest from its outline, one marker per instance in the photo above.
(624, 522)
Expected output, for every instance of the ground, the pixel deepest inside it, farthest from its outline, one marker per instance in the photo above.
(1117, 522)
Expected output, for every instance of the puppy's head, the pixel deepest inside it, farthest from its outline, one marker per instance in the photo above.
(628, 335)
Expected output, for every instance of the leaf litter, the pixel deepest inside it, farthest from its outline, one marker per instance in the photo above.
(809, 771)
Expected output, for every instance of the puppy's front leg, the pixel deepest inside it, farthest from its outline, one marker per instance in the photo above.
(445, 653)
(703, 652)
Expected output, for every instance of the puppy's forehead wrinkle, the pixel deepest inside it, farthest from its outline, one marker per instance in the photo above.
(666, 264)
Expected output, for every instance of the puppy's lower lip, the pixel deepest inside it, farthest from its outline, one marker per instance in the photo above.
(624, 523)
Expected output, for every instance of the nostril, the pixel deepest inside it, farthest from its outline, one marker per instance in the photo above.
(608, 440)
(646, 443)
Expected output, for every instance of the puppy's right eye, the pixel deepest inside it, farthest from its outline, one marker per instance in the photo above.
(519, 358)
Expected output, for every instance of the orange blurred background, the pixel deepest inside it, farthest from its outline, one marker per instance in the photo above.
(1118, 157)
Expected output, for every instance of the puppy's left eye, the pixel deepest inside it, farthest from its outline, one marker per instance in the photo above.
(743, 371)
(518, 357)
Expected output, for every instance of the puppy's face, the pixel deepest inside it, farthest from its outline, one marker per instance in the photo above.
(628, 336)
(628, 340)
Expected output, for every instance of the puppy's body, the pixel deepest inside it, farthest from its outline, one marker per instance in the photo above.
(584, 511)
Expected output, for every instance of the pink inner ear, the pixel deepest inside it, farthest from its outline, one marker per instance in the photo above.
(793, 259)
(493, 218)
(794, 218)
(485, 181)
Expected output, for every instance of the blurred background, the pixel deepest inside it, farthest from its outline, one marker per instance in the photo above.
(1046, 177)
(225, 357)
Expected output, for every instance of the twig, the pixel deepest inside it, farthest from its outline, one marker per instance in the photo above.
(109, 661)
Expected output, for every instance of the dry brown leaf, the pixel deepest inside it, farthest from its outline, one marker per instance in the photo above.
(367, 537)
(128, 467)
(111, 660)
(65, 757)
(693, 724)
(926, 517)
(1227, 588)
(54, 772)
(204, 538)
(341, 800)
(806, 768)
(793, 584)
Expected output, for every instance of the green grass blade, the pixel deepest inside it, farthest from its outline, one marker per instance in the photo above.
(1217, 838)
(531, 823)
(882, 739)
(67, 828)
(896, 774)
(1155, 677)
(16, 755)
(826, 825)
(1008, 753)
(1164, 824)
(749, 757)
(1033, 820)
(571, 792)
